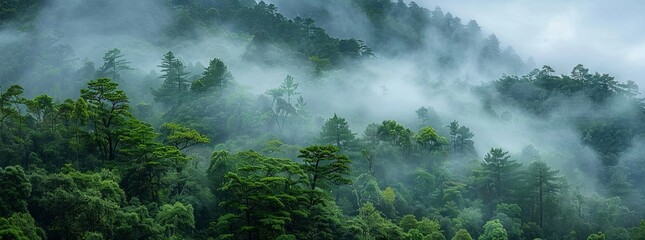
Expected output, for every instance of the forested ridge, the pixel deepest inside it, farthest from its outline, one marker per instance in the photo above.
(225, 119)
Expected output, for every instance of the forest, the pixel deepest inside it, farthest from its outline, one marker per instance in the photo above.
(339, 119)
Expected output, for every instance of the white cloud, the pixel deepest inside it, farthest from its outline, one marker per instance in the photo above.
(606, 36)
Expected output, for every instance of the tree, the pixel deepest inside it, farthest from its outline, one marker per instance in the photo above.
(638, 233)
(510, 216)
(181, 137)
(324, 165)
(149, 161)
(214, 78)
(493, 230)
(280, 106)
(541, 181)
(177, 219)
(596, 236)
(374, 226)
(336, 131)
(43, 110)
(74, 116)
(499, 172)
(260, 195)
(428, 116)
(9, 102)
(113, 64)
(70, 204)
(429, 140)
(15, 190)
(175, 85)
(390, 131)
(108, 108)
(20, 226)
(461, 138)
(462, 234)
(408, 222)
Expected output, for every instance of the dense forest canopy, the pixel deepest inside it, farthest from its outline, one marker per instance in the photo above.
(340, 119)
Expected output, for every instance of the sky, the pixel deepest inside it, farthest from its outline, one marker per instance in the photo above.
(605, 36)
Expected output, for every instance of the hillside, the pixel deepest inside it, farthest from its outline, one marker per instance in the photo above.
(339, 119)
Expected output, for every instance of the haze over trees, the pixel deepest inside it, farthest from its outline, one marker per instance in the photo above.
(229, 119)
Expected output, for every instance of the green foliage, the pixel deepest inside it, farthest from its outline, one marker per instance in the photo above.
(336, 131)
(541, 182)
(280, 108)
(15, 190)
(596, 236)
(176, 219)
(108, 109)
(462, 234)
(70, 203)
(389, 196)
(214, 78)
(408, 222)
(638, 233)
(89, 169)
(461, 138)
(149, 162)
(260, 196)
(390, 131)
(324, 166)
(493, 230)
(113, 64)
(181, 137)
(374, 226)
(175, 86)
(20, 226)
(499, 175)
(429, 140)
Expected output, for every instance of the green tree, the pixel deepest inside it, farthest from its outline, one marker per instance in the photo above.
(500, 173)
(462, 234)
(9, 104)
(177, 219)
(181, 137)
(461, 138)
(390, 131)
(596, 236)
(280, 106)
(15, 190)
(113, 64)
(510, 216)
(541, 182)
(135, 222)
(429, 140)
(374, 226)
(214, 78)
(638, 233)
(493, 230)
(428, 227)
(74, 117)
(20, 226)
(324, 165)
(108, 109)
(43, 111)
(336, 131)
(408, 222)
(149, 162)
(259, 196)
(175, 85)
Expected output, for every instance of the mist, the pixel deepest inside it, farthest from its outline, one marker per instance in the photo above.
(372, 90)
(417, 66)
(563, 34)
